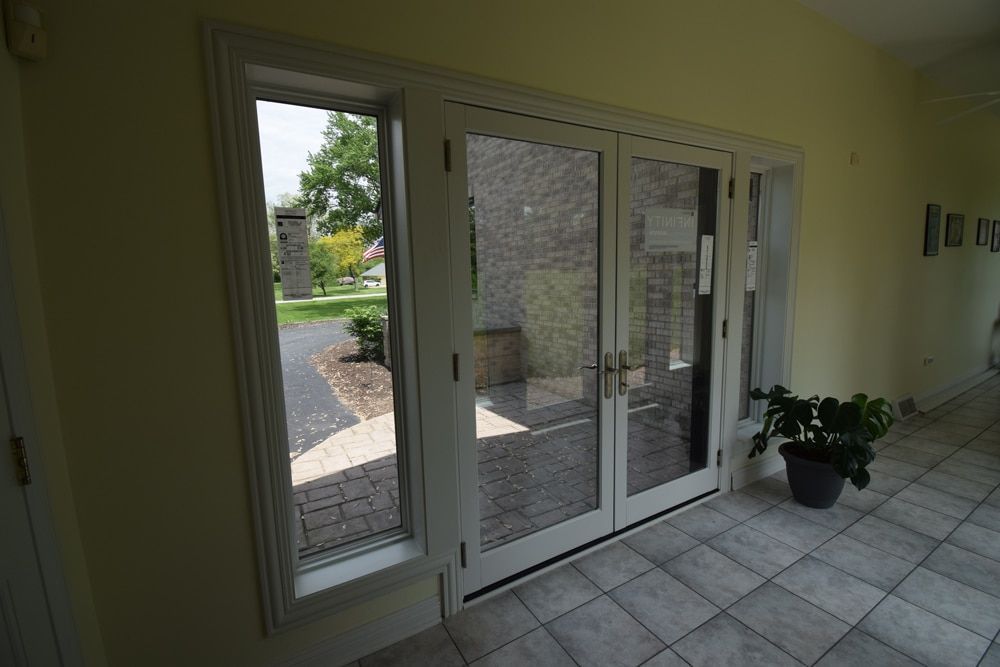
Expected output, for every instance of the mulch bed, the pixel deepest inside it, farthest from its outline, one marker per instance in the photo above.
(363, 386)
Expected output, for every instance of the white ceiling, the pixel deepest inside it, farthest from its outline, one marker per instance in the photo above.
(955, 43)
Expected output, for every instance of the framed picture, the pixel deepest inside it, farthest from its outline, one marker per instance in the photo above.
(932, 230)
(954, 230)
(983, 233)
(996, 236)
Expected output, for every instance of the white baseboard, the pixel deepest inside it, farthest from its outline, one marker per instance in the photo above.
(371, 637)
(932, 398)
(759, 469)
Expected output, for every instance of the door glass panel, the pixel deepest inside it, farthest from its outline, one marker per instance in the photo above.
(750, 298)
(533, 229)
(672, 221)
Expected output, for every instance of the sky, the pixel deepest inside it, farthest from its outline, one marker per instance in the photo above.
(287, 134)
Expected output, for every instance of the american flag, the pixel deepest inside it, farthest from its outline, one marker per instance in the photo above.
(377, 250)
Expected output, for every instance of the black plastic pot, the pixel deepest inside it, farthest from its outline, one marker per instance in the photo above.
(814, 483)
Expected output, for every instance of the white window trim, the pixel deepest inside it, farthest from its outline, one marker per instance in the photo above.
(229, 49)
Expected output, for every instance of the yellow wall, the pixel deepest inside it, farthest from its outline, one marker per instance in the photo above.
(128, 246)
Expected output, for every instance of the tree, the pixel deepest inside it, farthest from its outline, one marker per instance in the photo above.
(341, 188)
(322, 263)
(348, 247)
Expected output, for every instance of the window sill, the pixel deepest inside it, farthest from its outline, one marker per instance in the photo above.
(325, 575)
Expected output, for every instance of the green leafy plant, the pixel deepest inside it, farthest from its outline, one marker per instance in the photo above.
(825, 430)
(365, 324)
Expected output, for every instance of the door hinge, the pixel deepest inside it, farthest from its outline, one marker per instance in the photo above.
(725, 328)
(461, 552)
(447, 155)
(21, 460)
(718, 458)
(454, 366)
(732, 188)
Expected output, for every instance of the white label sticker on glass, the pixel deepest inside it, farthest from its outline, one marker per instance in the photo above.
(670, 229)
(705, 268)
(751, 266)
(293, 252)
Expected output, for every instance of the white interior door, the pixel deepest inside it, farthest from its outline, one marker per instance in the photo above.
(588, 331)
(26, 631)
(673, 235)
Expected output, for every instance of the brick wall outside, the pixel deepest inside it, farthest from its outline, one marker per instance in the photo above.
(536, 238)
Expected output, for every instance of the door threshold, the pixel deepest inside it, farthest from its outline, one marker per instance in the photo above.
(514, 578)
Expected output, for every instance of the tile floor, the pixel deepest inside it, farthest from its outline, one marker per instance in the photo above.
(906, 572)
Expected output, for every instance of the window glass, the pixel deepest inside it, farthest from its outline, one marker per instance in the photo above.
(322, 183)
(754, 254)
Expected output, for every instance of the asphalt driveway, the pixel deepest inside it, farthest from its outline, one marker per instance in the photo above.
(312, 409)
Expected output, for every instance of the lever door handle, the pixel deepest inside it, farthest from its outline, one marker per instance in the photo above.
(591, 367)
(623, 369)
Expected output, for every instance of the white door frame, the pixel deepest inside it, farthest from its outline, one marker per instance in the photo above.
(630, 509)
(15, 376)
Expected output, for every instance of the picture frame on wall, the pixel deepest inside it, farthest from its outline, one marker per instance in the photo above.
(955, 229)
(983, 233)
(932, 230)
(996, 236)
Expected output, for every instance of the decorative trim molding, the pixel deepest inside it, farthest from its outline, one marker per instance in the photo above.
(759, 469)
(370, 637)
(936, 396)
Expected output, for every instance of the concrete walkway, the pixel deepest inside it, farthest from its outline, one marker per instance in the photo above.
(363, 294)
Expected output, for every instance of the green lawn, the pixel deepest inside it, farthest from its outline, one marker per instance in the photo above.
(314, 311)
(335, 290)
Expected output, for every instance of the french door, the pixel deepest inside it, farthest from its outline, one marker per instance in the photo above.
(588, 331)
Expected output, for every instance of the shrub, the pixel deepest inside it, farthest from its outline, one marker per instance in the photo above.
(365, 324)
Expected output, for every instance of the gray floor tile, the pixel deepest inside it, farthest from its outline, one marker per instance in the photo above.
(789, 622)
(865, 500)
(992, 657)
(972, 457)
(918, 457)
(715, 576)
(555, 592)
(985, 445)
(964, 488)
(791, 529)
(895, 468)
(836, 518)
(602, 633)
(939, 501)
(666, 658)
(486, 626)
(967, 567)
(889, 537)
(923, 635)
(885, 484)
(930, 523)
(846, 597)
(970, 472)
(738, 505)
(930, 446)
(535, 648)
(612, 565)
(769, 489)
(977, 539)
(726, 641)
(947, 434)
(987, 516)
(963, 605)
(864, 562)
(432, 646)
(994, 498)
(857, 648)
(762, 554)
(701, 522)
(659, 542)
(664, 605)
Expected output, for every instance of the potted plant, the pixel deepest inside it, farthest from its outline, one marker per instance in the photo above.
(827, 441)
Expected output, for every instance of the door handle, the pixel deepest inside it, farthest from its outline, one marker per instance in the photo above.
(591, 367)
(623, 369)
(609, 375)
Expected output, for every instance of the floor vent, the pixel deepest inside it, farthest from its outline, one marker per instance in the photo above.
(906, 407)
